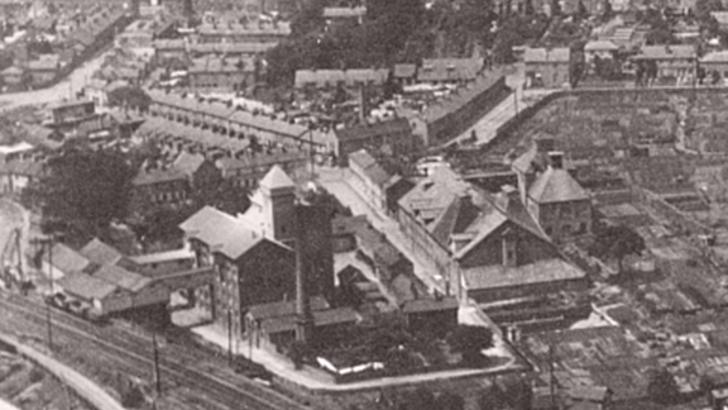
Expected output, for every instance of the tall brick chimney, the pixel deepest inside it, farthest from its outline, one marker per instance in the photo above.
(304, 321)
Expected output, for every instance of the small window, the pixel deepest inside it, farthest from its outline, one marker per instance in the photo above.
(284, 231)
(582, 227)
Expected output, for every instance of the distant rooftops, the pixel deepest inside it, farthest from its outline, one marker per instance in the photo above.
(450, 69)
(373, 128)
(328, 78)
(667, 52)
(546, 55)
(344, 12)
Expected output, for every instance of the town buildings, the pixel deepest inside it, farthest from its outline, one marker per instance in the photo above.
(452, 115)
(668, 62)
(209, 74)
(174, 183)
(253, 254)
(548, 68)
(391, 136)
(487, 247)
(449, 70)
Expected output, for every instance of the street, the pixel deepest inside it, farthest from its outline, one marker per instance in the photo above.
(334, 181)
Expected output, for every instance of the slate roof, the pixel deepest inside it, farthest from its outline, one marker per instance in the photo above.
(544, 55)
(188, 163)
(276, 178)
(156, 176)
(373, 129)
(556, 185)
(86, 287)
(499, 276)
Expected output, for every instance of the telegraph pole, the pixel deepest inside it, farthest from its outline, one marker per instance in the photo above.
(230, 335)
(157, 375)
(552, 378)
(48, 305)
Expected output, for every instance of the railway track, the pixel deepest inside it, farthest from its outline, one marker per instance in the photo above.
(134, 351)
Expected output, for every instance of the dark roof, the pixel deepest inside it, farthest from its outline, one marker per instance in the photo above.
(429, 305)
(374, 129)
(285, 308)
(667, 52)
(462, 96)
(156, 176)
(342, 225)
(545, 55)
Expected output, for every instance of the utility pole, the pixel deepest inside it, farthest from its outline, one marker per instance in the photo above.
(157, 375)
(230, 335)
(48, 306)
(552, 378)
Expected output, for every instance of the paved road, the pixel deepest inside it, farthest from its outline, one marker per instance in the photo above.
(487, 127)
(334, 181)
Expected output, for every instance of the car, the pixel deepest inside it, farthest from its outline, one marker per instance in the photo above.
(77, 307)
(58, 300)
(251, 370)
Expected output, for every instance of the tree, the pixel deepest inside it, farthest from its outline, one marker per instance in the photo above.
(607, 11)
(581, 11)
(129, 97)
(449, 401)
(86, 189)
(618, 242)
(470, 341)
(663, 388)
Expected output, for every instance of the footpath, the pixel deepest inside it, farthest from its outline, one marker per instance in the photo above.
(85, 388)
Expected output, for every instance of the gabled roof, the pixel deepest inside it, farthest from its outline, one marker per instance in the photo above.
(276, 178)
(100, 253)
(716, 56)
(556, 185)
(223, 233)
(188, 163)
(373, 129)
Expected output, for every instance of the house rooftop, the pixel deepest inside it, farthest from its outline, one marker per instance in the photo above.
(556, 185)
(375, 172)
(100, 253)
(499, 276)
(546, 55)
(667, 52)
(450, 69)
(276, 178)
(284, 308)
